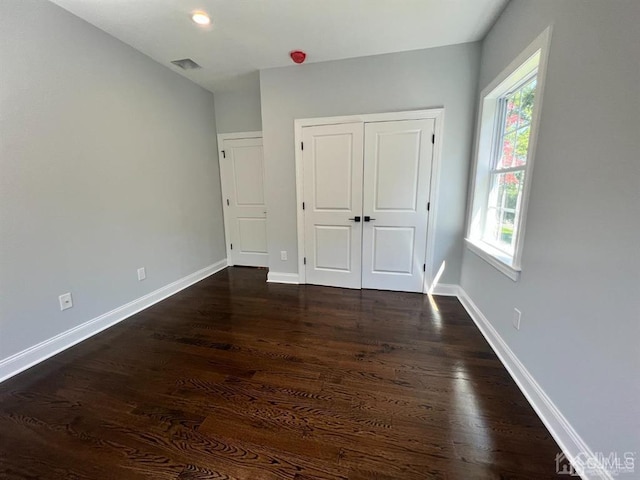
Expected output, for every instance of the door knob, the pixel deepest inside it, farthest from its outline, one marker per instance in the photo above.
(367, 218)
(355, 219)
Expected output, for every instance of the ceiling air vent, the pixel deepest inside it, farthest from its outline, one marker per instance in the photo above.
(186, 64)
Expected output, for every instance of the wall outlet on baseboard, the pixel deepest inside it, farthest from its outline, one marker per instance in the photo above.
(65, 301)
(516, 318)
(283, 255)
(142, 274)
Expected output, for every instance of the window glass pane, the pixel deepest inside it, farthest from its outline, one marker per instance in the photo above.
(525, 101)
(507, 151)
(511, 116)
(514, 138)
(503, 210)
(512, 186)
(522, 147)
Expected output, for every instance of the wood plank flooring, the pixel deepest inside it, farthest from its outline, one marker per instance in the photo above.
(235, 378)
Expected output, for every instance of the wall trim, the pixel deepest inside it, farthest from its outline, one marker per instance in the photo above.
(561, 430)
(277, 277)
(237, 135)
(31, 356)
(445, 289)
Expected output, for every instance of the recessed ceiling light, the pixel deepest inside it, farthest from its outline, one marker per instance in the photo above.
(201, 18)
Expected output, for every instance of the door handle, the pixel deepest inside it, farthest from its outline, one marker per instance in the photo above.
(367, 218)
(355, 219)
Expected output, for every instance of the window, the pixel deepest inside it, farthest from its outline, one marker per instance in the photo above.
(505, 144)
(508, 166)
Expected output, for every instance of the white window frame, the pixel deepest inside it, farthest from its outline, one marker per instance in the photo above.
(532, 58)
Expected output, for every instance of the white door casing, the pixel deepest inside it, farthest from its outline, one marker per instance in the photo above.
(433, 271)
(397, 177)
(332, 157)
(245, 212)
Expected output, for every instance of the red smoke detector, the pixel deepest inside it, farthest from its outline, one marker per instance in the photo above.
(298, 56)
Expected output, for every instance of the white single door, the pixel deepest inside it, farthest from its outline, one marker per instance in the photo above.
(242, 179)
(332, 162)
(397, 177)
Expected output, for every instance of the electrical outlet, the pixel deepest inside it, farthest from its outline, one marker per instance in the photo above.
(516, 318)
(283, 255)
(142, 274)
(65, 301)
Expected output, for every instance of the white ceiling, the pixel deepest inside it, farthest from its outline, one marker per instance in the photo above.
(249, 35)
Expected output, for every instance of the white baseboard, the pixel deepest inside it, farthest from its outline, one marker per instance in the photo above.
(564, 434)
(445, 289)
(275, 277)
(31, 356)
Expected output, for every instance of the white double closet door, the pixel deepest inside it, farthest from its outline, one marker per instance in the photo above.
(366, 193)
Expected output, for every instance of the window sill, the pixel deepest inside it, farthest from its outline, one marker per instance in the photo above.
(494, 258)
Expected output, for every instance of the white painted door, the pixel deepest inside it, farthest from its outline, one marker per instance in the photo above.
(332, 162)
(242, 179)
(397, 177)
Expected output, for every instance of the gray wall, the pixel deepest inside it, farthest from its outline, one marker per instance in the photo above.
(580, 286)
(402, 81)
(108, 162)
(238, 106)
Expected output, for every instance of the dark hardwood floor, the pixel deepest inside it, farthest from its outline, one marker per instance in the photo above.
(235, 378)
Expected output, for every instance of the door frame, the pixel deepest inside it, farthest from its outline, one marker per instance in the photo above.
(221, 138)
(437, 114)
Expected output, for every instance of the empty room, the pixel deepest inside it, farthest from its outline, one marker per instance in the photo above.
(319, 239)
